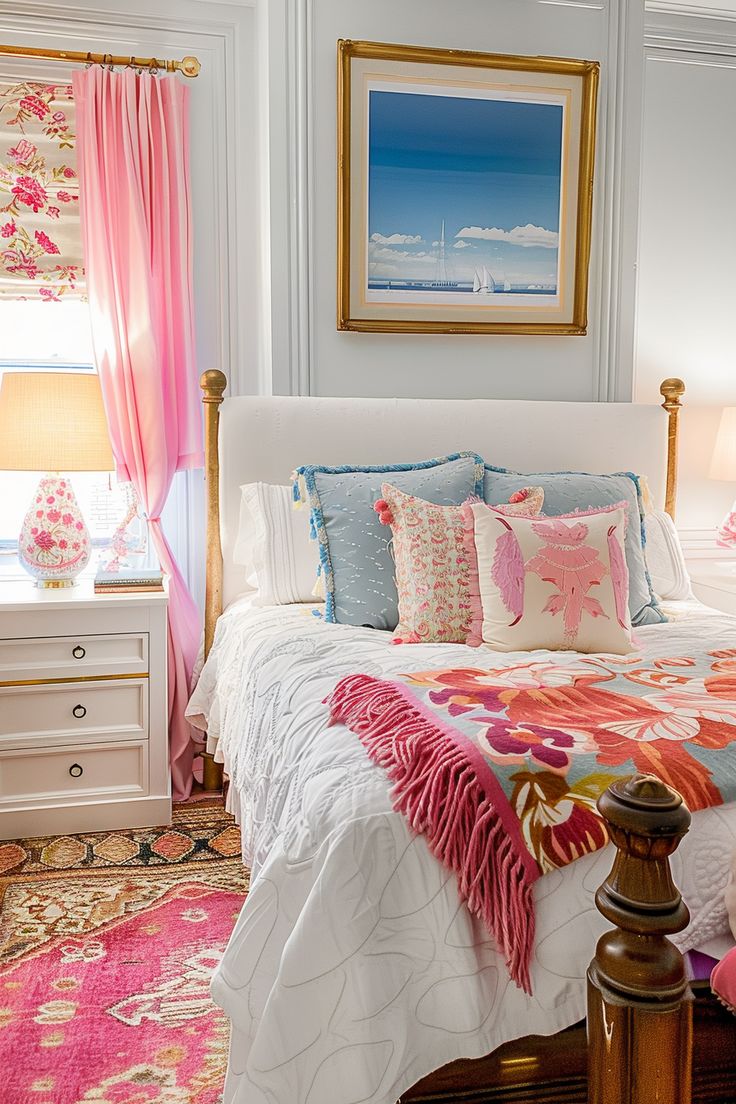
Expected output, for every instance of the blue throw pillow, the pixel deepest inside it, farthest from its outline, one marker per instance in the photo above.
(565, 492)
(354, 552)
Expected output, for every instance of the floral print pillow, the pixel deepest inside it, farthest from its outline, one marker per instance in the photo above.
(432, 565)
(549, 582)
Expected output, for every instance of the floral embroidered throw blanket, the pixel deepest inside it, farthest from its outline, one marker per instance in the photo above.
(501, 769)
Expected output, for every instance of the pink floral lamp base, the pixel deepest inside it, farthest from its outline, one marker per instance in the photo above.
(727, 530)
(54, 544)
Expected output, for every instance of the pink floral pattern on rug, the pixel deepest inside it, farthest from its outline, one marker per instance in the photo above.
(104, 985)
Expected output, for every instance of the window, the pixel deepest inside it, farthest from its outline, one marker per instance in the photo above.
(41, 336)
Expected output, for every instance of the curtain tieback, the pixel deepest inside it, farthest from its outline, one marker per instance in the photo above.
(149, 518)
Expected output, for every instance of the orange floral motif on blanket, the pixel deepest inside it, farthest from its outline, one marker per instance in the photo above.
(556, 733)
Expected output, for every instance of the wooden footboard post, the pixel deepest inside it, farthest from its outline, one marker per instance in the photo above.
(639, 1001)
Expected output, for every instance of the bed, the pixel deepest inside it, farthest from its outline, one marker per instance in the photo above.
(354, 972)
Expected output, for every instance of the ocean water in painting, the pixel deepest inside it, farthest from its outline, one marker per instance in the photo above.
(464, 196)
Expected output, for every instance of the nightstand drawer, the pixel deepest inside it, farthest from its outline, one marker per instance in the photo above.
(73, 657)
(78, 773)
(116, 709)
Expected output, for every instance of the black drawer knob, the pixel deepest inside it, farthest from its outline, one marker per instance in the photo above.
(79, 652)
(79, 711)
(76, 771)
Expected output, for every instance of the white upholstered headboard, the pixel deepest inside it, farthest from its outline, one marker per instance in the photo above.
(265, 438)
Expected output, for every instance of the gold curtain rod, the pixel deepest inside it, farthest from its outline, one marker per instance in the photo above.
(189, 66)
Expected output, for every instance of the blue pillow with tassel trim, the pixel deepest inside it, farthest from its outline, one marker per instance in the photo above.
(354, 548)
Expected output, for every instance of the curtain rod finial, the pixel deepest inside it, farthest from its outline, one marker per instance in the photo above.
(190, 66)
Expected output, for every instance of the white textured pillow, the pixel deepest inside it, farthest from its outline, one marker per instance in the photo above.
(665, 558)
(273, 545)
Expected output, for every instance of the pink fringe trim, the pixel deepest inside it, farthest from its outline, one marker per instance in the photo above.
(438, 791)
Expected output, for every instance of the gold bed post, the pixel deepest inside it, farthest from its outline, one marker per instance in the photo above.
(671, 390)
(213, 384)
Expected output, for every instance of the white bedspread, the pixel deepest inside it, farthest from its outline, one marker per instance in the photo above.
(353, 970)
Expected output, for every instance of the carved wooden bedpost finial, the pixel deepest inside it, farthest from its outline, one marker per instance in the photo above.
(671, 391)
(639, 1007)
(213, 384)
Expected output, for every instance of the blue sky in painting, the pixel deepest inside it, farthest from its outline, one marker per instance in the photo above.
(488, 167)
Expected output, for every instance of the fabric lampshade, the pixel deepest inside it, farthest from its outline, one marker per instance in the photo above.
(53, 421)
(723, 464)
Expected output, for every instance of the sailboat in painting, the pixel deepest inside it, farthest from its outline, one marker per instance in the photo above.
(483, 282)
(441, 280)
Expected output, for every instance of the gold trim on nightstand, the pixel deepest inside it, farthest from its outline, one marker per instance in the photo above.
(79, 678)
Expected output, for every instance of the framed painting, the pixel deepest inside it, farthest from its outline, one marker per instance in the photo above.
(465, 188)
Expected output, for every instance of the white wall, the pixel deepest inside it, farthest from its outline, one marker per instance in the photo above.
(687, 275)
(310, 355)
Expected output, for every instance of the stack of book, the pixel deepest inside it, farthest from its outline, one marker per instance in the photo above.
(129, 582)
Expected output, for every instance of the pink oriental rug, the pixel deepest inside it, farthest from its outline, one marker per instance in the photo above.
(105, 966)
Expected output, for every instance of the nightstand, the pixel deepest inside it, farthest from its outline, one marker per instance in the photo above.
(83, 710)
(714, 583)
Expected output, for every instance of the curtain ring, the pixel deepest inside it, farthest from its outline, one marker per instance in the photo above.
(89, 63)
(153, 67)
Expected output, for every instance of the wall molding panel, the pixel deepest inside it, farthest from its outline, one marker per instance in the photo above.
(298, 175)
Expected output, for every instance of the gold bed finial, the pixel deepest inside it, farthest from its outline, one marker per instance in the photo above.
(671, 389)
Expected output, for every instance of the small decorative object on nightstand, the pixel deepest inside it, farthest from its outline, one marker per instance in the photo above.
(83, 711)
(723, 466)
(53, 422)
(714, 583)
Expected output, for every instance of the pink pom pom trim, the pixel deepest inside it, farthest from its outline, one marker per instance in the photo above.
(383, 510)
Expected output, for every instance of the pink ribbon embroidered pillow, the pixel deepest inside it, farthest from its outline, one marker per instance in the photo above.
(432, 565)
(549, 582)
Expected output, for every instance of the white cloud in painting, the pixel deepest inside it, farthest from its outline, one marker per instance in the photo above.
(396, 239)
(385, 253)
(526, 236)
(462, 244)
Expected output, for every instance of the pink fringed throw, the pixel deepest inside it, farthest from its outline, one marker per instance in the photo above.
(446, 795)
(500, 769)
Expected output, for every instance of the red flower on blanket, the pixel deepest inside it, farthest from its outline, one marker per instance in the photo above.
(511, 743)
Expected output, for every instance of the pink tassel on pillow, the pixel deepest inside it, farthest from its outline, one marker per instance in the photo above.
(383, 510)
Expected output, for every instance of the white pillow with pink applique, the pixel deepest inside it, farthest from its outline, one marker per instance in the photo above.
(549, 582)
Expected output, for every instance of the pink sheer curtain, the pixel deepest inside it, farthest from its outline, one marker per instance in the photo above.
(133, 164)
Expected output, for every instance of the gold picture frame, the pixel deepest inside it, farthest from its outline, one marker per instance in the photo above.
(380, 287)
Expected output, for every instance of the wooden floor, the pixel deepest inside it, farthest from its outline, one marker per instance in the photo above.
(556, 1071)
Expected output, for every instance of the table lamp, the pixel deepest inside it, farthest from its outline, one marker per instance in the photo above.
(723, 466)
(53, 422)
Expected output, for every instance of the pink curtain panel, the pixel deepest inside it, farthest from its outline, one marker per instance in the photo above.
(133, 163)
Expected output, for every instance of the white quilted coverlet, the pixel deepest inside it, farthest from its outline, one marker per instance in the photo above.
(354, 970)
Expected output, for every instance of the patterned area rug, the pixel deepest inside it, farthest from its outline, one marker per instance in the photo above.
(107, 945)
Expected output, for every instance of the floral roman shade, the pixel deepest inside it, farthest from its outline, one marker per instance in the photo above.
(40, 238)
